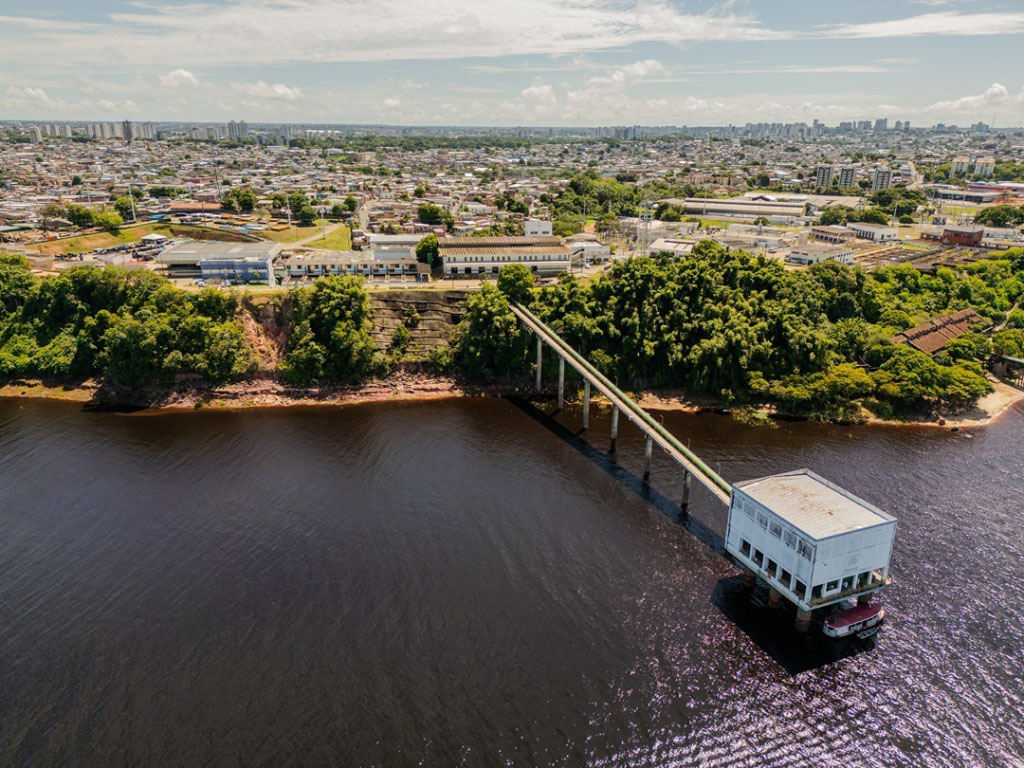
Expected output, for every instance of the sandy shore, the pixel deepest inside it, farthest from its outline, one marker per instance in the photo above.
(270, 393)
(987, 410)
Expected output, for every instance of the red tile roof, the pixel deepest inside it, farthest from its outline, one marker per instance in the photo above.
(932, 336)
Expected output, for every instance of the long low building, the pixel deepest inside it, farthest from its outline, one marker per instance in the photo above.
(309, 265)
(738, 206)
(812, 253)
(228, 262)
(473, 256)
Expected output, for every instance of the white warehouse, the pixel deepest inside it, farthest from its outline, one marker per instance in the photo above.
(813, 542)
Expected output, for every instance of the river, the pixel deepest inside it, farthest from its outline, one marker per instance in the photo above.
(468, 582)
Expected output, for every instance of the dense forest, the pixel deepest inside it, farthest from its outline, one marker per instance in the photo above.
(745, 329)
(739, 327)
(132, 326)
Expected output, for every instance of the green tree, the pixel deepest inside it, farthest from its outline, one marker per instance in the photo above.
(124, 207)
(49, 212)
(492, 343)
(516, 282)
(427, 250)
(108, 221)
(80, 216)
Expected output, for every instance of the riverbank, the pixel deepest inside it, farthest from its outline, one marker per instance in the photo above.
(271, 393)
(987, 410)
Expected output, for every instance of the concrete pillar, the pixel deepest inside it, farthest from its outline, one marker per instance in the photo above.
(586, 404)
(749, 578)
(648, 445)
(540, 352)
(615, 426)
(561, 382)
(686, 491)
(774, 597)
(803, 620)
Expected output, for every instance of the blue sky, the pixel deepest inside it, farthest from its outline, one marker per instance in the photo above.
(515, 62)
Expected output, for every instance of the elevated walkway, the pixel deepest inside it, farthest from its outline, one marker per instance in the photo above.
(654, 432)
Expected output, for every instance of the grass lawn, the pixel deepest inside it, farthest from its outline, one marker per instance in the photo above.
(84, 243)
(338, 240)
(288, 235)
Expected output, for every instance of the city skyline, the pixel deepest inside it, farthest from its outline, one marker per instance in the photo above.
(539, 63)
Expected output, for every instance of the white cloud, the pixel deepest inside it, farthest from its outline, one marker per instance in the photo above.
(31, 98)
(276, 92)
(939, 23)
(394, 102)
(539, 98)
(179, 78)
(126, 107)
(995, 96)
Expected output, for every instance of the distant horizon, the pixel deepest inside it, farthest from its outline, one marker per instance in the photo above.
(503, 127)
(549, 63)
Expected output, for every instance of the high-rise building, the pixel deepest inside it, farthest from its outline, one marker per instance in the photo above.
(35, 134)
(959, 166)
(882, 179)
(984, 167)
(127, 131)
(863, 125)
(823, 177)
(847, 176)
(882, 124)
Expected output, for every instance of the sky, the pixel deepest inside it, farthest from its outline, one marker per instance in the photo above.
(514, 62)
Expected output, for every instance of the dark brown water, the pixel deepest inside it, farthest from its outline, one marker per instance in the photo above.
(465, 583)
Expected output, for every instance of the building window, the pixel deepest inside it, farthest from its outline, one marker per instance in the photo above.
(800, 589)
(816, 592)
(790, 539)
(744, 547)
(762, 520)
(847, 583)
(832, 586)
(772, 567)
(758, 557)
(785, 577)
(805, 550)
(776, 530)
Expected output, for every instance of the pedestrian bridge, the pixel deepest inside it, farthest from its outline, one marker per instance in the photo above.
(622, 404)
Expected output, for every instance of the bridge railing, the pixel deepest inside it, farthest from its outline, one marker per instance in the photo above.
(715, 483)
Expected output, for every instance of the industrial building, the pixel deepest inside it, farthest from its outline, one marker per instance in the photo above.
(399, 264)
(966, 236)
(472, 256)
(812, 542)
(812, 253)
(828, 233)
(875, 232)
(225, 262)
(754, 208)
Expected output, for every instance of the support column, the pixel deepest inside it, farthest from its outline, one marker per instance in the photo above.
(774, 597)
(561, 382)
(749, 578)
(615, 427)
(540, 352)
(803, 620)
(686, 491)
(586, 404)
(648, 445)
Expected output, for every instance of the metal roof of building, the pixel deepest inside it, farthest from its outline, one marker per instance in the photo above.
(812, 504)
(510, 241)
(553, 250)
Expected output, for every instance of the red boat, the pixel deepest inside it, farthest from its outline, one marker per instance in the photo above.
(862, 621)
